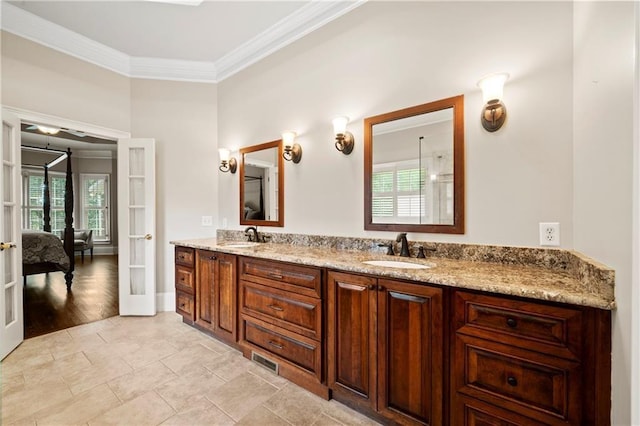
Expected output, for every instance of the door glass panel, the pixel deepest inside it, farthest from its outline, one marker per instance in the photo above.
(8, 265)
(137, 252)
(137, 281)
(136, 162)
(136, 221)
(8, 182)
(10, 313)
(136, 191)
(6, 147)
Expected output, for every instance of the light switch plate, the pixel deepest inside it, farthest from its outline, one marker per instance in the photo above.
(207, 221)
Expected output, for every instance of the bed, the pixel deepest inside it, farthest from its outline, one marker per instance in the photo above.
(44, 252)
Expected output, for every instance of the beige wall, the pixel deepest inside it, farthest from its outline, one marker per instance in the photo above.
(385, 56)
(603, 164)
(40, 79)
(182, 119)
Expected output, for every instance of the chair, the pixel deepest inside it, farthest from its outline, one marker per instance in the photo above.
(83, 240)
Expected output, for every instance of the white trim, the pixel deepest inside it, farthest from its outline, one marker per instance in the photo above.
(303, 21)
(165, 302)
(634, 344)
(90, 129)
(300, 23)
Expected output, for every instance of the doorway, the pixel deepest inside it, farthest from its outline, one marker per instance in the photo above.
(48, 306)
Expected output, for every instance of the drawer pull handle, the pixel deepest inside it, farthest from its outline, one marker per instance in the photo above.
(212, 258)
(182, 279)
(275, 345)
(512, 381)
(182, 305)
(181, 257)
(512, 322)
(275, 308)
(276, 276)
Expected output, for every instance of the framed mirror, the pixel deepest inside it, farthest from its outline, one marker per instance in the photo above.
(262, 185)
(414, 169)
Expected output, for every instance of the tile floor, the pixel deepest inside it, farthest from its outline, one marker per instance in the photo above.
(150, 371)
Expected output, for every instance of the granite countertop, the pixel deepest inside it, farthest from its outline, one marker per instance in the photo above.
(535, 282)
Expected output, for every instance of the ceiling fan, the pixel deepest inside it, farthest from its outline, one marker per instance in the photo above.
(54, 130)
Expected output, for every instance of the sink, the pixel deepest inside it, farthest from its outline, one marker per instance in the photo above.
(396, 264)
(238, 245)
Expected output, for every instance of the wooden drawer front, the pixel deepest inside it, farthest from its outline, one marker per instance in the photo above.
(300, 314)
(303, 352)
(300, 279)
(520, 323)
(184, 305)
(185, 256)
(184, 278)
(518, 379)
(470, 412)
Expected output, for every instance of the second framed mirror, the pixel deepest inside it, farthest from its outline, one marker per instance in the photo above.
(262, 185)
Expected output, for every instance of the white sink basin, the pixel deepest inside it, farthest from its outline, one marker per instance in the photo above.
(396, 264)
(238, 245)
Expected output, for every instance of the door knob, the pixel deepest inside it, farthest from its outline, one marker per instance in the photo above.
(4, 246)
(148, 237)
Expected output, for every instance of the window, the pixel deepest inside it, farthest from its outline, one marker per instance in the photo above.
(33, 194)
(94, 199)
(399, 192)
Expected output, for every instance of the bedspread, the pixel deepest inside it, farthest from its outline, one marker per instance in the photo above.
(40, 246)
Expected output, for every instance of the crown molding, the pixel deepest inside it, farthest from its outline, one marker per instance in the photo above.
(305, 20)
(300, 23)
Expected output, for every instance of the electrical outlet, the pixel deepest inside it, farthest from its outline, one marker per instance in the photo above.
(207, 221)
(549, 234)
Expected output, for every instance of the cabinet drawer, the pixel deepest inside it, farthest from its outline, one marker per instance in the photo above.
(184, 279)
(185, 256)
(556, 329)
(300, 279)
(297, 313)
(301, 351)
(470, 412)
(517, 379)
(184, 305)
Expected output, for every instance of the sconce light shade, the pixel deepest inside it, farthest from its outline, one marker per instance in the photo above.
(292, 150)
(227, 163)
(344, 140)
(494, 112)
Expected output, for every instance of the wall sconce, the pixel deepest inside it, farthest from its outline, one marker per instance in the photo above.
(344, 139)
(292, 151)
(494, 112)
(227, 163)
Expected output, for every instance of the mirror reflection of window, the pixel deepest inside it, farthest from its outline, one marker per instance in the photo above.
(412, 179)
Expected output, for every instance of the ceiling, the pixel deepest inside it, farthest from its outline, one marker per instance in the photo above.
(152, 39)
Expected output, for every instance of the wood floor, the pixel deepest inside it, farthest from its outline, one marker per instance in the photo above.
(49, 307)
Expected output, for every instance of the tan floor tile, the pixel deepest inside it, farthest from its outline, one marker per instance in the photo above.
(141, 381)
(228, 365)
(192, 356)
(83, 343)
(261, 416)
(80, 409)
(147, 409)
(150, 352)
(62, 366)
(109, 351)
(178, 392)
(25, 359)
(267, 375)
(88, 377)
(10, 382)
(90, 328)
(199, 410)
(296, 405)
(27, 400)
(346, 415)
(214, 344)
(326, 420)
(241, 395)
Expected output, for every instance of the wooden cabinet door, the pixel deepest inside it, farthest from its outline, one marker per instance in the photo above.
(225, 297)
(410, 352)
(205, 279)
(351, 337)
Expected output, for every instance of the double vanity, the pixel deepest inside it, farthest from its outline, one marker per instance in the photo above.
(471, 335)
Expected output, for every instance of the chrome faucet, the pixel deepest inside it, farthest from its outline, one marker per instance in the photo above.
(404, 249)
(252, 230)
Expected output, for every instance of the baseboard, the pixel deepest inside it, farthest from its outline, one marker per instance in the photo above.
(165, 302)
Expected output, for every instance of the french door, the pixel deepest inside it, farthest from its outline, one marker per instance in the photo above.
(136, 224)
(11, 309)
